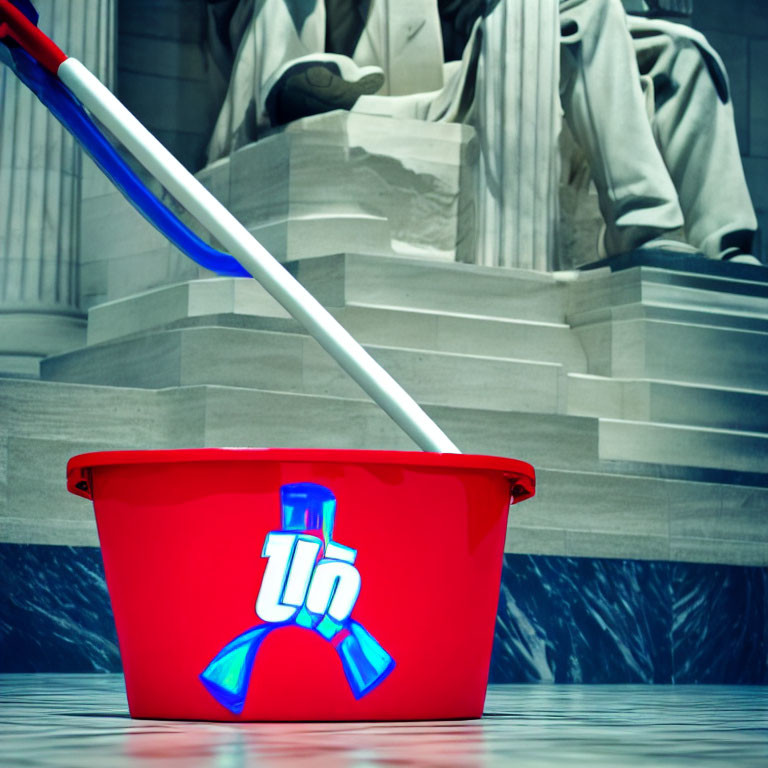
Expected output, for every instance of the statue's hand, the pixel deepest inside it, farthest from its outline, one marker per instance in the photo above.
(318, 83)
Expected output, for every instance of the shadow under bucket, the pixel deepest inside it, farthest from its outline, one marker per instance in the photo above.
(280, 584)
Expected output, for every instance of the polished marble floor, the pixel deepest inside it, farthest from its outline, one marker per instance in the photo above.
(82, 721)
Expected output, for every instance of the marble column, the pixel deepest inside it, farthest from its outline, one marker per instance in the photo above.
(40, 190)
(517, 118)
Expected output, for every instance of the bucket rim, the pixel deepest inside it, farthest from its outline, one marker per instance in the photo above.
(520, 473)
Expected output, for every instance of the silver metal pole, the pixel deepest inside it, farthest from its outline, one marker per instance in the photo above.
(236, 239)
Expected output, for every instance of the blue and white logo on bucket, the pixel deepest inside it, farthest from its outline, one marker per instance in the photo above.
(310, 581)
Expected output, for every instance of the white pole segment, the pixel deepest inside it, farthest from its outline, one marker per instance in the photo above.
(382, 388)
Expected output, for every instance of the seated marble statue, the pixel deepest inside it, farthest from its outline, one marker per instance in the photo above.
(647, 100)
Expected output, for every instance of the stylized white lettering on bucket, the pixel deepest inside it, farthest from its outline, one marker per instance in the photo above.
(293, 578)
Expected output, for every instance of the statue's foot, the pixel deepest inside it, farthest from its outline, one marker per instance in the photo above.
(318, 83)
(661, 243)
(672, 246)
(741, 258)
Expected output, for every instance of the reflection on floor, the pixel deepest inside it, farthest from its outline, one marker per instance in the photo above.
(82, 720)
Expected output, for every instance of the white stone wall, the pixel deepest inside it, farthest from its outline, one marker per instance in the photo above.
(162, 74)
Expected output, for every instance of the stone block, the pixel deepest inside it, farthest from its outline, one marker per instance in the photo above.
(36, 334)
(38, 469)
(758, 105)
(618, 545)
(749, 553)
(22, 366)
(464, 334)
(140, 272)
(683, 446)
(167, 306)
(425, 285)
(680, 352)
(241, 417)
(151, 361)
(295, 363)
(50, 531)
(301, 238)
(121, 417)
(663, 324)
(144, 54)
(668, 402)
(164, 103)
(527, 540)
(546, 441)
(176, 20)
(721, 298)
(354, 170)
(111, 228)
(594, 502)
(733, 513)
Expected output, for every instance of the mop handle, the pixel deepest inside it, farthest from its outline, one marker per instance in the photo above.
(236, 239)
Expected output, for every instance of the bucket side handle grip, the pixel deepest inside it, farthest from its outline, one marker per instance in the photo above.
(79, 482)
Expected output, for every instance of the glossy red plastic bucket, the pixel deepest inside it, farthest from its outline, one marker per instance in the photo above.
(279, 584)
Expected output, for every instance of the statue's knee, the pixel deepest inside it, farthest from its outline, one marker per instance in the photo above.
(682, 58)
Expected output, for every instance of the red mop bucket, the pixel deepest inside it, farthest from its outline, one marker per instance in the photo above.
(281, 584)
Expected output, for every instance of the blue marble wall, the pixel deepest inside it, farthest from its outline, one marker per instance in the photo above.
(590, 620)
(560, 619)
(55, 614)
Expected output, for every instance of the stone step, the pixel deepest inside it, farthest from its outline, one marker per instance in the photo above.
(289, 362)
(669, 313)
(234, 303)
(190, 416)
(293, 363)
(625, 516)
(43, 424)
(464, 334)
(584, 506)
(668, 402)
(174, 305)
(654, 287)
(675, 444)
(422, 284)
(337, 281)
(677, 352)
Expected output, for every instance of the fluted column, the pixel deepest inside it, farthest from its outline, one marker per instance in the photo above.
(40, 183)
(517, 118)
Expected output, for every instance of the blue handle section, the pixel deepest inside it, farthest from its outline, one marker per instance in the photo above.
(71, 114)
(227, 677)
(365, 663)
(308, 507)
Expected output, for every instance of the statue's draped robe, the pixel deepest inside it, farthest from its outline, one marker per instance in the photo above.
(660, 161)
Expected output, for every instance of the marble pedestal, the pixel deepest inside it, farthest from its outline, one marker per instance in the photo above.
(347, 182)
(335, 183)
